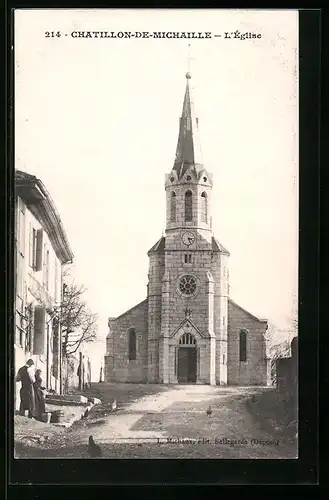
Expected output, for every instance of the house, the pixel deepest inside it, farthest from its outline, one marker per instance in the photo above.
(188, 329)
(41, 250)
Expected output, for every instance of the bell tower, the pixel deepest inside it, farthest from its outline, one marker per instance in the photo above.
(188, 185)
(187, 289)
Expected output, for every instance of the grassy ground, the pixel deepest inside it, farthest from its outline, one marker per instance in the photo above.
(272, 416)
(30, 436)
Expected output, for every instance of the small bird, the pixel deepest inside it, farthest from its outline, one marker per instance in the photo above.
(93, 448)
(209, 411)
(85, 415)
(114, 405)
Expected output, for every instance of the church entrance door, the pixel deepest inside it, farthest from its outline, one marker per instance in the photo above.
(187, 365)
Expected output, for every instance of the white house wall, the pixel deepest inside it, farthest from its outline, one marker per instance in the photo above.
(30, 289)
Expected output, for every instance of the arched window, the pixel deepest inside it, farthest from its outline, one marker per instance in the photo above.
(132, 344)
(204, 207)
(188, 206)
(173, 207)
(187, 339)
(243, 345)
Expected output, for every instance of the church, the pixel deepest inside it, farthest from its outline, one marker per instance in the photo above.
(188, 330)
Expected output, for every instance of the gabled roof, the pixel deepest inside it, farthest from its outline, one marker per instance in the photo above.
(130, 310)
(234, 304)
(217, 247)
(36, 197)
(188, 320)
(158, 247)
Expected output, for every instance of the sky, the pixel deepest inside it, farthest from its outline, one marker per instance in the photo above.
(97, 121)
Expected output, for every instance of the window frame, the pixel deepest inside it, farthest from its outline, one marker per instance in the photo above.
(132, 344)
(243, 343)
(33, 247)
(46, 259)
(20, 325)
(173, 207)
(188, 206)
(204, 207)
(22, 224)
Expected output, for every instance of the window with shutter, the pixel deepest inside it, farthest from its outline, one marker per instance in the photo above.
(39, 330)
(19, 276)
(30, 245)
(22, 229)
(29, 328)
(46, 266)
(20, 333)
(34, 249)
(57, 281)
(39, 245)
(17, 220)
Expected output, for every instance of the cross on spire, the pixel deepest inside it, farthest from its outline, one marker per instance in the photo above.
(189, 59)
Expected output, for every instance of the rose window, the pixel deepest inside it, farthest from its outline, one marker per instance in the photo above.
(187, 285)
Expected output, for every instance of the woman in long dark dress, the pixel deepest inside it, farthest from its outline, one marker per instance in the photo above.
(39, 391)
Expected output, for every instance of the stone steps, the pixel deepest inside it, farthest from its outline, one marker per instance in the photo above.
(70, 400)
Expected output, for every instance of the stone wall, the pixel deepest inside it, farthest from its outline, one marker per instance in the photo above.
(118, 367)
(156, 271)
(287, 377)
(176, 267)
(256, 369)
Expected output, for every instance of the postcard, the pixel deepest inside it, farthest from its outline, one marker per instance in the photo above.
(156, 240)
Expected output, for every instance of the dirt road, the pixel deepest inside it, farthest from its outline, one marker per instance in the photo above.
(174, 424)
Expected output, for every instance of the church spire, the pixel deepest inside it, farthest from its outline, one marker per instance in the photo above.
(188, 151)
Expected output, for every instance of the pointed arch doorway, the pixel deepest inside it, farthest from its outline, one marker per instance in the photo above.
(187, 359)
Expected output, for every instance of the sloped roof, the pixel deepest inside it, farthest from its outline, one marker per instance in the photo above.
(234, 304)
(159, 246)
(217, 247)
(36, 197)
(188, 151)
(132, 308)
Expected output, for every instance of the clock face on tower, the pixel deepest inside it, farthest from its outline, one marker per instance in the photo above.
(188, 238)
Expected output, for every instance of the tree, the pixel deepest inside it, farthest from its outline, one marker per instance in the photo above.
(79, 324)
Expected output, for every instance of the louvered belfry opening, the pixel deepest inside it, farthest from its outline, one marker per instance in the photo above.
(188, 206)
(187, 339)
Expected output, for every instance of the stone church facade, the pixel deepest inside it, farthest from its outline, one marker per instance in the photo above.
(187, 330)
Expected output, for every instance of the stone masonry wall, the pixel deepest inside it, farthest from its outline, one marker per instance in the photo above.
(254, 371)
(219, 269)
(287, 378)
(176, 267)
(156, 270)
(118, 368)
